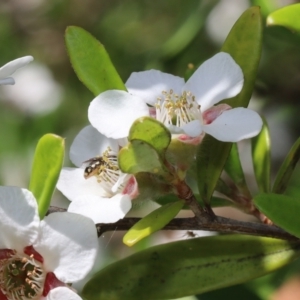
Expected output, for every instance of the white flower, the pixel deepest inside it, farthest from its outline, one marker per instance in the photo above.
(185, 108)
(98, 190)
(39, 259)
(8, 69)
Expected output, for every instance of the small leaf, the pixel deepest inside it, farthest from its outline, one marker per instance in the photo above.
(287, 16)
(233, 168)
(190, 267)
(47, 164)
(244, 44)
(152, 132)
(286, 170)
(91, 62)
(282, 210)
(138, 156)
(261, 157)
(153, 222)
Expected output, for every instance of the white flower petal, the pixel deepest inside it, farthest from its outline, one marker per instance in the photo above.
(6, 81)
(90, 143)
(9, 68)
(235, 125)
(19, 220)
(218, 78)
(72, 184)
(149, 85)
(69, 245)
(102, 210)
(62, 293)
(193, 128)
(113, 112)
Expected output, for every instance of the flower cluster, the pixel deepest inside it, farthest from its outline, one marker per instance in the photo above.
(97, 187)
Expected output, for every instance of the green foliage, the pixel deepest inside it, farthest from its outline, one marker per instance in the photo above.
(190, 267)
(282, 210)
(287, 168)
(91, 62)
(287, 16)
(153, 222)
(138, 156)
(244, 45)
(47, 164)
(152, 132)
(261, 157)
(148, 141)
(234, 168)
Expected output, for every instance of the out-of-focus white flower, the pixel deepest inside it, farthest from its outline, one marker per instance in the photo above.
(186, 109)
(37, 92)
(98, 189)
(8, 69)
(38, 259)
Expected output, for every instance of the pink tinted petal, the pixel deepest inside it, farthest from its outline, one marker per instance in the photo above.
(149, 85)
(216, 79)
(102, 210)
(72, 184)
(68, 243)
(131, 188)
(9, 68)
(215, 111)
(113, 112)
(19, 220)
(235, 125)
(90, 143)
(190, 140)
(193, 129)
(62, 293)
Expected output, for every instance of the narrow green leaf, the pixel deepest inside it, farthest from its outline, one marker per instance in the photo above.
(261, 157)
(47, 164)
(287, 16)
(91, 62)
(282, 210)
(153, 222)
(210, 162)
(233, 166)
(190, 267)
(244, 44)
(138, 156)
(152, 132)
(286, 170)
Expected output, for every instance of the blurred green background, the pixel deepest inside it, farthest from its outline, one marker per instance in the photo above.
(138, 34)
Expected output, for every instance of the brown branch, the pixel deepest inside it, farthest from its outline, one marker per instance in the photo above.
(219, 224)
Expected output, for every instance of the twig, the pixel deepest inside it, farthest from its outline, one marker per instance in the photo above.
(219, 224)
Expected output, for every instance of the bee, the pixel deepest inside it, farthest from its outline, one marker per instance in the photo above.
(94, 166)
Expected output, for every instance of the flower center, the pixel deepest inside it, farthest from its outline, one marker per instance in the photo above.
(21, 277)
(105, 168)
(178, 110)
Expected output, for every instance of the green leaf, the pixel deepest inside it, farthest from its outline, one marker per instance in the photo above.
(287, 16)
(233, 167)
(91, 62)
(190, 267)
(210, 162)
(286, 170)
(152, 132)
(47, 164)
(282, 210)
(153, 222)
(138, 156)
(261, 157)
(244, 44)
